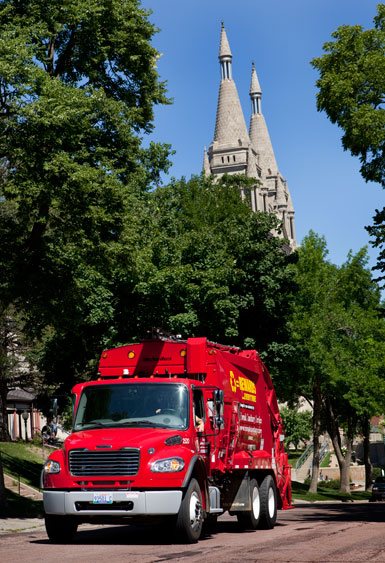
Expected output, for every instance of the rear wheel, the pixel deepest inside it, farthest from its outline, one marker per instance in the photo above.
(190, 517)
(60, 529)
(268, 496)
(249, 520)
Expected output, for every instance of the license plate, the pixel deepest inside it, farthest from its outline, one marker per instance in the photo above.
(102, 498)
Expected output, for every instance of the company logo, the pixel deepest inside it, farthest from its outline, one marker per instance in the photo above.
(244, 385)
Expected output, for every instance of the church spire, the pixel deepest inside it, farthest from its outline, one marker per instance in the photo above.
(225, 56)
(230, 126)
(206, 163)
(255, 91)
(259, 135)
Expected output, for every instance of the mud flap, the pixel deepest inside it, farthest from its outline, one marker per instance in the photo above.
(237, 498)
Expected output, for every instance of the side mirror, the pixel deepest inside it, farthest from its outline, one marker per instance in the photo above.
(218, 398)
(219, 422)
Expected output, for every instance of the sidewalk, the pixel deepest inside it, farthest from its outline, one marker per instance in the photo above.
(14, 525)
(13, 484)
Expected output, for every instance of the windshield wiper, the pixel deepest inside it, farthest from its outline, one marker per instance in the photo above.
(143, 423)
(96, 423)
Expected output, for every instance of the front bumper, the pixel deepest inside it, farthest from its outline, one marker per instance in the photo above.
(124, 503)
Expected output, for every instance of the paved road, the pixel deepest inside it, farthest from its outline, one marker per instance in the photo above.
(314, 532)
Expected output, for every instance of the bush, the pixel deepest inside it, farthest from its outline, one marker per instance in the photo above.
(377, 472)
(330, 484)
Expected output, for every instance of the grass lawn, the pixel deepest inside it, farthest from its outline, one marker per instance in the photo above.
(326, 460)
(300, 492)
(23, 460)
(294, 456)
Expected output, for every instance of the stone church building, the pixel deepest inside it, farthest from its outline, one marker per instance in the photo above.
(238, 150)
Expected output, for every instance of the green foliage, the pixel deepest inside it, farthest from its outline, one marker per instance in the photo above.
(337, 332)
(333, 484)
(352, 88)
(377, 472)
(300, 492)
(337, 328)
(214, 267)
(78, 83)
(352, 92)
(298, 427)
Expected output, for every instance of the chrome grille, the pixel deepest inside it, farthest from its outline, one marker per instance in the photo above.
(88, 463)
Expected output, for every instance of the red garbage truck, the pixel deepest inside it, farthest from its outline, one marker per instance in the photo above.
(172, 430)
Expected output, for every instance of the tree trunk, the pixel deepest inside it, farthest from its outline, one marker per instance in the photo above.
(345, 469)
(4, 434)
(366, 445)
(3, 503)
(343, 461)
(317, 407)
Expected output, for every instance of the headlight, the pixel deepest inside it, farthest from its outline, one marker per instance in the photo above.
(51, 467)
(169, 465)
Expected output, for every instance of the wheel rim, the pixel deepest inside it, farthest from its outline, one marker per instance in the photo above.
(271, 502)
(195, 511)
(256, 503)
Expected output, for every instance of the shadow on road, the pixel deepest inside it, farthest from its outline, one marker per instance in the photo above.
(153, 535)
(352, 512)
(137, 535)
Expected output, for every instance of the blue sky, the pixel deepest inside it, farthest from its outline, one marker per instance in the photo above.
(281, 37)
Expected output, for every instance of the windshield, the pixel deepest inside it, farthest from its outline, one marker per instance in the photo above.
(123, 405)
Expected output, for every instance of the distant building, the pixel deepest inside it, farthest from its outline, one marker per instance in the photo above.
(21, 401)
(236, 150)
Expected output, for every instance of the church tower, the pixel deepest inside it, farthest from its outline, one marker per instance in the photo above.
(236, 150)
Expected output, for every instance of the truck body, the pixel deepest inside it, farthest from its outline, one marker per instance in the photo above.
(174, 430)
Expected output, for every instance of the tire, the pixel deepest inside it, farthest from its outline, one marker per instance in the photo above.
(249, 520)
(190, 517)
(268, 496)
(60, 529)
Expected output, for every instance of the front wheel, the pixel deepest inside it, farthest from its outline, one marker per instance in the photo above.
(249, 520)
(190, 517)
(60, 529)
(268, 496)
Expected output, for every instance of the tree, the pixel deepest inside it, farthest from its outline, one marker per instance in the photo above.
(356, 356)
(78, 83)
(352, 93)
(214, 269)
(77, 86)
(337, 333)
(298, 426)
(306, 373)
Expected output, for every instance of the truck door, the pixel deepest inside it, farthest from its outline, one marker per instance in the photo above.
(199, 411)
(200, 422)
